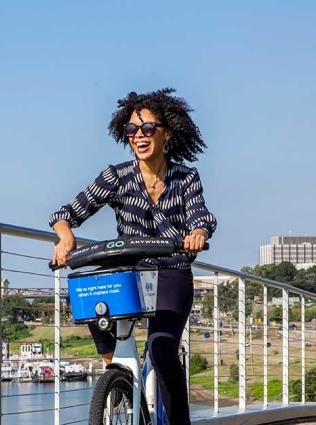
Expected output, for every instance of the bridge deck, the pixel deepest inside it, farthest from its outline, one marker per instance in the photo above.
(255, 415)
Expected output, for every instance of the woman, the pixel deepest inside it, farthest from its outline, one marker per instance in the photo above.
(153, 195)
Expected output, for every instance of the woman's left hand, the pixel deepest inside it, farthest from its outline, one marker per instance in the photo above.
(195, 242)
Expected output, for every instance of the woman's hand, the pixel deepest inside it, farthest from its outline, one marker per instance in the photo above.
(195, 242)
(66, 244)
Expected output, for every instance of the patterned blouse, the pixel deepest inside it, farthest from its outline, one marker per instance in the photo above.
(179, 209)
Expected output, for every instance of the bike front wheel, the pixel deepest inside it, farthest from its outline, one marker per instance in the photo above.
(112, 400)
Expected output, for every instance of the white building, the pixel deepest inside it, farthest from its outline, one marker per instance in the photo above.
(298, 250)
(278, 301)
(206, 283)
(4, 286)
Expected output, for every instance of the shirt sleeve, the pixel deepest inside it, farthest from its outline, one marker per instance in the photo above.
(100, 192)
(196, 214)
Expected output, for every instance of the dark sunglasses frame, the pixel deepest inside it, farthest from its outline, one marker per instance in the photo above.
(152, 128)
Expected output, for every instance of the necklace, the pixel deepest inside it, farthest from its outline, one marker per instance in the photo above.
(161, 171)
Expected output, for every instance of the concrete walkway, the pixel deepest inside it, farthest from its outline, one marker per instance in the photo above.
(295, 413)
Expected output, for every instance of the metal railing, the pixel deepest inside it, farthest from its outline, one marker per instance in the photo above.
(42, 236)
(243, 280)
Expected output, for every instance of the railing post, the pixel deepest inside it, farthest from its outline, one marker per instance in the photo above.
(57, 348)
(265, 346)
(0, 328)
(303, 346)
(185, 342)
(285, 337)
(242, 343)
(216, 343)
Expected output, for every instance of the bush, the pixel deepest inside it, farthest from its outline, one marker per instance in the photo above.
(310, 313)
(13, 331)
(310, 387)
(310, 384)
(233, 372)
(71, 341)
(198, 363)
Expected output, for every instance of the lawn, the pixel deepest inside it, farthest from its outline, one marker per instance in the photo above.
(75, 340)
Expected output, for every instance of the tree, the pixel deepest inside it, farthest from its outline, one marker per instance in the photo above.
(14, 331)
(207, 305)
(306, 279)
(285, 272)
(43, 307)
(228, 295)
(276, 314)
(15, 308)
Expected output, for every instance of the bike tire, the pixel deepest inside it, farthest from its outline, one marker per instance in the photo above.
(111, 383)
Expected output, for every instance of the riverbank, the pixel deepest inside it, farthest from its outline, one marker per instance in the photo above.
(76, 341)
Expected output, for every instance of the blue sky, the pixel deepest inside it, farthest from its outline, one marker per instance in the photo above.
(247, 68)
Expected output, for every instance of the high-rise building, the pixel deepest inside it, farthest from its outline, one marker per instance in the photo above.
(299, 250)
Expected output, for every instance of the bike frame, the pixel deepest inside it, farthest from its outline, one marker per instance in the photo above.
(126, 356)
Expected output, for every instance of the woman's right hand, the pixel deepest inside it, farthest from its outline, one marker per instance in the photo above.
(67, 242)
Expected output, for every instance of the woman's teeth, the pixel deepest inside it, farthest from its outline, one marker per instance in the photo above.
(142, 147)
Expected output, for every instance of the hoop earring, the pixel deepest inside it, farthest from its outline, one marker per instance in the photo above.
(166, 147)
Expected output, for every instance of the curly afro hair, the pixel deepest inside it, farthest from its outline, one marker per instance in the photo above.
(173, 112)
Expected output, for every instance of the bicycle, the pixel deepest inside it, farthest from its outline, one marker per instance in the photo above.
(125, 393)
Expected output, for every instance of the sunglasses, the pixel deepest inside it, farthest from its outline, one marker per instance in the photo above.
(148, 129)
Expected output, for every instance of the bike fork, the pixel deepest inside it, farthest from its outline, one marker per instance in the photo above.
(126, 354)
(151, 390)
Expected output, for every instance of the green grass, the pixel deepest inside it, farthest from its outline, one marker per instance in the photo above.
(274, 390)
(227, 388)
(79, 347)
(75, 341)
(255, 390)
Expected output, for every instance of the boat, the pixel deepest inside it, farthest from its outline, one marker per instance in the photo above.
(24, 372)
(73, 372)
(8, 371)
(31, 365)
(44, 372)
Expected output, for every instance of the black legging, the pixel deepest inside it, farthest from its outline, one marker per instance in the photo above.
(174, 302)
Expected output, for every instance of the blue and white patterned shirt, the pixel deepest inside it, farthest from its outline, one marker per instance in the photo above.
(179, 210)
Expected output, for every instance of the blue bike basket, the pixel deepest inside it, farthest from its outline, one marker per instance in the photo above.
(126, 294)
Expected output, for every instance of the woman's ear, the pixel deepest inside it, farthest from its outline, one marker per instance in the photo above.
(168, 136)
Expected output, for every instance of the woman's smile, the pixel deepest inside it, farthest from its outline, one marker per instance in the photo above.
(142, 146)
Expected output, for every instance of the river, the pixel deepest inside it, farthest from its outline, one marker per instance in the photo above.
(25, 397)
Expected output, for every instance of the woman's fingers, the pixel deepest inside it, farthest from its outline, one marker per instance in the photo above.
(202, 242)
(186, 243)
(55, 255)
(60, 253)
(194, 242)
(67, 243)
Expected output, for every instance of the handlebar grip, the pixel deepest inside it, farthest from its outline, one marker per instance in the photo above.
(54, 267)
(206, 246)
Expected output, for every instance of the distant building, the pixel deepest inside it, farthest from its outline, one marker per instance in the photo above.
(278, 301)
(4, 287)
(298, 250)
(206, 283)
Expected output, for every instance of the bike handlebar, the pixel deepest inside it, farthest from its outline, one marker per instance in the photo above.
(107, 253)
